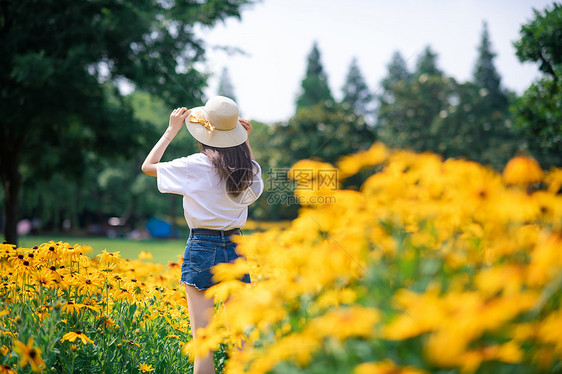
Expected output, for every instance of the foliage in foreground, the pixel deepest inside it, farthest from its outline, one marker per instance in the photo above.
(434, 266)
(61, 311)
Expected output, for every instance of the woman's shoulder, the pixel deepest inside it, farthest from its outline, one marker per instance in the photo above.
(197, 158)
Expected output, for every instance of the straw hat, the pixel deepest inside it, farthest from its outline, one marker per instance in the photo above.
(216, 124)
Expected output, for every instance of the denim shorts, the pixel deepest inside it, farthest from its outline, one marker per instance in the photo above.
(206, 248)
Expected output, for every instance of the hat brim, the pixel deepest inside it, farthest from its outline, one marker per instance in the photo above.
(216, 138)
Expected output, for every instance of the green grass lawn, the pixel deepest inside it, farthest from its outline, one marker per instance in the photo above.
(163, 251)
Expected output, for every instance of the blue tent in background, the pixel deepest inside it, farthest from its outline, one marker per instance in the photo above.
(158, 228)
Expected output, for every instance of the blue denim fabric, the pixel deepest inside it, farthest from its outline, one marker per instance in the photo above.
(202, 252)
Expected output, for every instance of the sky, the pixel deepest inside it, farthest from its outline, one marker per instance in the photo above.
(277, 36)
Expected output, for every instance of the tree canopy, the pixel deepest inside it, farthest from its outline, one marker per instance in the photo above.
(538, 112)
(355, 90)
(226, 88)
(61, 66)
(315, 88)
(485, 74)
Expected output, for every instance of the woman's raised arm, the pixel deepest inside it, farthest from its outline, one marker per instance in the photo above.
(177, 118)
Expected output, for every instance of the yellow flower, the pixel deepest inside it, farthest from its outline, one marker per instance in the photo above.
(336, 297)
(230, 271)
(345, 322)
(29, 354)
(4, 350)
(49, 252)
(522, 170)
(7, 250)
(6, 369)
(546, 260)
(385, 367)
(91, 304)
(143, 255)
(554, 180)
(43, 312)
(90, 283)
(45, 277)
(352, 164)
(109, 260)
(73, 335)
(131, 342)
(123, 294)
(509, 352)
(508, 278)
(70, 307)
(298, 347)
(549, 330)
(146, 368)
(23, 265)
(108, 322)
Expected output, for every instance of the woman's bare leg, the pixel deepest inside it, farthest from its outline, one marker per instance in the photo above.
(201, 310)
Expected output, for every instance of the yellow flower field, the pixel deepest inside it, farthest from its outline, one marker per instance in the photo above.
(433, 266)
(63, 311)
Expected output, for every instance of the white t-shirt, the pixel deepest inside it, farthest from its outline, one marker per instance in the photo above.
(206, 203)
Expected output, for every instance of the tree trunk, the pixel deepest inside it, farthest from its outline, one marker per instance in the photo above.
(11, 180)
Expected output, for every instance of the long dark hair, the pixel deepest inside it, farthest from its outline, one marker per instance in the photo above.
(233, 164)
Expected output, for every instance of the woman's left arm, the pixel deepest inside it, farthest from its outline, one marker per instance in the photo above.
(177, 118)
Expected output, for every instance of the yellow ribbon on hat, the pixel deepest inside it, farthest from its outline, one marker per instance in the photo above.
(193, 118)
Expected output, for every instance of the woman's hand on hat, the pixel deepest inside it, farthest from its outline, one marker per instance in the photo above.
(177, 118)
(246, 124)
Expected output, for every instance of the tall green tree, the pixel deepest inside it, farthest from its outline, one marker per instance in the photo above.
(538, 112)
(315, 88)
(468, 129)
(427, 111)
(486, 76)
(409, 102)
(325, 132)
(476, 123)
(397, 73)
(55, 113)
(226, 88)
(393, 86)
(355, 91)
(427, 64)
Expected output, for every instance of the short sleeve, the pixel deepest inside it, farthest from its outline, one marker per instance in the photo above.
(172, 176)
